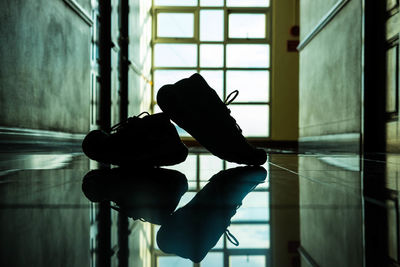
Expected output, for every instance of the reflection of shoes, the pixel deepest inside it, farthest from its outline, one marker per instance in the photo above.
(151, 140)
(191, 231)
(151, 194)
(195, 106)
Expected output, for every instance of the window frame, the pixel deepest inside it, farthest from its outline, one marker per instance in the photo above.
(226, 41)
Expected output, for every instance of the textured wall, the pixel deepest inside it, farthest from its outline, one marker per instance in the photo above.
(312, 12)
(85, 4)
(330, 72)
(45, 66)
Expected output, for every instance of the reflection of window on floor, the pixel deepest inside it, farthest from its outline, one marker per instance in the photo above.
(250, 225)
(228, 44)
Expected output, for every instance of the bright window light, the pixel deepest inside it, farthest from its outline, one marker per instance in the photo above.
(212, 2)
(250, 236)
(175, 25)
(215, 79)
(163, 77)
(247, 55)
(253, 85)
(209, 165)
(211, 25)
(175, 55)
(211, 55)
(231, 53)
(247, 26)
(175, 2)
(255, 207)
(248, 3)
(252, 119)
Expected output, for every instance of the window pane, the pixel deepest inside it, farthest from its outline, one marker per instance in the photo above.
(250, 236)
(247, 261)
(172, 261)
(248, 3)
(185, 199)
(175, 2)
(211, 55)
(252, 85)
(247, 26)
(253, 119)
(188, 167)
(215, 79)
(247, 56)
(175, 25)
(209, 165)
(163, 77)
(255, 207)
(213, 259)
(211, 2)
(175, 55)
(211, 25)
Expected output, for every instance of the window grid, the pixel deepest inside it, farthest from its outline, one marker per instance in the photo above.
(227, 252)
(225, 42)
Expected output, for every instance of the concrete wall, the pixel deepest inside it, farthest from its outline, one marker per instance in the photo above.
(45, 66)
(285, 72)
(330, 70)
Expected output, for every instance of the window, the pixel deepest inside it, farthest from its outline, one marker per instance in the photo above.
(224, 41)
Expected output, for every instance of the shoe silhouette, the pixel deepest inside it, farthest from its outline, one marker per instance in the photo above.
(195, 106)
(151, 141)
(191, 231)
(149, 194)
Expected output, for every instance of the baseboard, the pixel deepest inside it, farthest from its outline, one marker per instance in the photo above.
(336, 143)
(272, 145)
(20, 139)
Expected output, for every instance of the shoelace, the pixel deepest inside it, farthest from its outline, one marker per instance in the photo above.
(231, 238)
(122, 124)
(229, 99)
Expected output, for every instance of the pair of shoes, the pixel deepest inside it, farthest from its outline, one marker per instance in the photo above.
(144, 141)
(191, 231)
(147, 194)
(193, 105)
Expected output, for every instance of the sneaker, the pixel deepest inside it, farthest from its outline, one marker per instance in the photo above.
(150, 194)
(193, 230)
(195, 106)
(151, 140)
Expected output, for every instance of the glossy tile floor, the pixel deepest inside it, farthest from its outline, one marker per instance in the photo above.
(297, 210)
